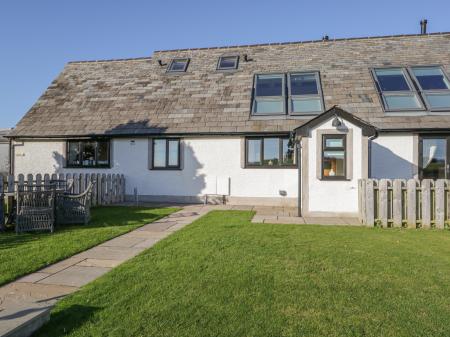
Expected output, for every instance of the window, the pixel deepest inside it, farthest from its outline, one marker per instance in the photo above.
(88, 153)
(396, 90)
(270, 152)
(165, 154)
(269, 94)
(178, 65)
(434, 87)
(305, 95)
(333, 157)
(228, 62)
(434, 157)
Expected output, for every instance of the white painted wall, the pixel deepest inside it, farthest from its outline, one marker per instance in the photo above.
(334, 196)
(4, 158)
(206, 161)
(393, 156)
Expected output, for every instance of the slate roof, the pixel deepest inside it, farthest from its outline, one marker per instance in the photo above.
(138, 97)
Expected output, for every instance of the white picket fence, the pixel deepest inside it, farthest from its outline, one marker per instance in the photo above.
(107, 188)
(404, 203)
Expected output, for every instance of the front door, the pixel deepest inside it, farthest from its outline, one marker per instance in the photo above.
(434, 157)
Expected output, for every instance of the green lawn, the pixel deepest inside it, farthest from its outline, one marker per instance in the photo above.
(25, 253)
(223, 276)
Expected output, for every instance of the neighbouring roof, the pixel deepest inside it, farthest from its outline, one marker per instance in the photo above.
(138, 97)
(3, 134)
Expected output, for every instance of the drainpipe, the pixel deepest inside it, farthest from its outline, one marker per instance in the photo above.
(299, 166)
(11, 157)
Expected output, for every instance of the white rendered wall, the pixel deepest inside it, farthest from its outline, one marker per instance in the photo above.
(392, 156)
(206, 161)
(334, 196)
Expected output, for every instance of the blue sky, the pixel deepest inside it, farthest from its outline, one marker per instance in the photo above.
(39, 37)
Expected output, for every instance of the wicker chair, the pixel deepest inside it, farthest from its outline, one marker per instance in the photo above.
(74, 208)
(35, 211)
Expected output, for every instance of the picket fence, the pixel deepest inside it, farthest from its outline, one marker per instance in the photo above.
(404, 203)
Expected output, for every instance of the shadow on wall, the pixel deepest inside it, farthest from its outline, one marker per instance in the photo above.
(185, 182)
(387, 165)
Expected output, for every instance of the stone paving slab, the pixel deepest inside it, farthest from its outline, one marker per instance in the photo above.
(25, 304)
(75, 276)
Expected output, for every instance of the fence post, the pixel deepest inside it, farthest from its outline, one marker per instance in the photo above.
(10, 183)
(412, 203)
(99, 189)
(46, 182)
(384, 204)
(426, 203)
(370, 203)
(440, 203)
(30, 182)
(397, 203)
(21, 182)
(108, 189)
(103, 191)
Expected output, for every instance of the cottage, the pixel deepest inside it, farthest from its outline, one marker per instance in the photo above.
(270, 124)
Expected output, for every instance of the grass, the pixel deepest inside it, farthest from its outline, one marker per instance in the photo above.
(224, 276)
(25, 253)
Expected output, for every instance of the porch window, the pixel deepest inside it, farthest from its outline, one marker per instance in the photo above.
(269, 95)
(434, 157)
(165, 154)
(305, 94)
(434, 87)
(178, 65)
(228, 62)
(396, 90)
(88, 153)
(269, 152)
(333, 157)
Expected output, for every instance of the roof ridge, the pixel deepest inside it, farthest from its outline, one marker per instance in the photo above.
(113, 60)
(306, 41)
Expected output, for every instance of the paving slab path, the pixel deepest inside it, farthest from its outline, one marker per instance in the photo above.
(25, 304)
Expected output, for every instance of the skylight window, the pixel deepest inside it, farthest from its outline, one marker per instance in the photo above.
(434, 87)
(396, 90)
(228, 62)
(305, 95)
(269, 94)
(178, 65)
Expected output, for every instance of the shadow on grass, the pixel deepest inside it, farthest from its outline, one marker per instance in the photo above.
(67, 320)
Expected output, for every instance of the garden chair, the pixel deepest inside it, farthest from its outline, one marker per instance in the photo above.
(74, 208)
(35, 211)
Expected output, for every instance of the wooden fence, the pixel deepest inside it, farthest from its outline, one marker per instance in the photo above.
(404, 203)
(107, 188)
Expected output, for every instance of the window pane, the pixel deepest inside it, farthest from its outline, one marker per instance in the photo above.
(74, 154)
(228, 62)
(159, 153)
(392, 80)
(431, 78)
(254, 151)
(306, 105)
(304, 84)
(288, 152)
(271, 151)
(434, 153)
(438, 101)
(102, 153)
(268, 107)
(173, 152)
(333, 163)
(269, 85)
(398, 102)
(88, 153)
(334, 142)
(178, 65)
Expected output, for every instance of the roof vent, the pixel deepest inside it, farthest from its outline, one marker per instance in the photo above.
(423, 26)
